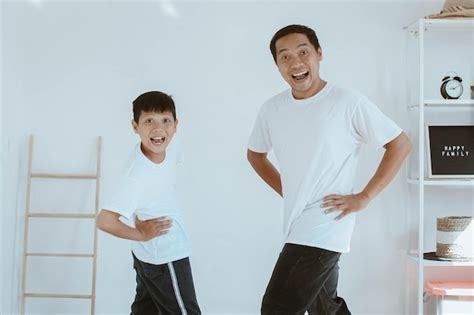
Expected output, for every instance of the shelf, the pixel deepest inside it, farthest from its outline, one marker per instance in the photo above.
(443, 182)
(438, 24)
(462, 102)
(446, 103)
(436, 263)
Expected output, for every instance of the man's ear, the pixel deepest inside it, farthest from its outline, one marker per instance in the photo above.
(320, 54)
(134, 126)
(176, 123)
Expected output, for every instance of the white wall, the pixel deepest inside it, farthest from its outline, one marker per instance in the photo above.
(70, 72)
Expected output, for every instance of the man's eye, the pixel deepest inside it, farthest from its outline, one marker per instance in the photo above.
(166, 120)
(148, 121)
(284, 57)
(304, 52)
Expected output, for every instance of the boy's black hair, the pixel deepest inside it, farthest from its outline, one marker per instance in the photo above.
(291, 29)
(153, 101)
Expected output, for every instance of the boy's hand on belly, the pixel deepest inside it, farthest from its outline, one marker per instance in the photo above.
(152, 228)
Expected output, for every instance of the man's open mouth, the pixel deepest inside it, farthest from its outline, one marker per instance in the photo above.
(300, 75)
(157, 140)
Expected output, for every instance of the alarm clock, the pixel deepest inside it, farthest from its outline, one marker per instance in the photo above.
(451, 86)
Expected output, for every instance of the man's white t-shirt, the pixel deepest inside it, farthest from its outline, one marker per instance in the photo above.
(148, 190)
(316, 142)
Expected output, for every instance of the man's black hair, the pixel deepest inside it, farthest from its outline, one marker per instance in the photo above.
(292, 29)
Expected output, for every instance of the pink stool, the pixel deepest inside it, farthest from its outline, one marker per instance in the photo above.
(452, 297)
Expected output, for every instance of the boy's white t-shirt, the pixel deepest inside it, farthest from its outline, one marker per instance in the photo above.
(316, 142)
(148, 190)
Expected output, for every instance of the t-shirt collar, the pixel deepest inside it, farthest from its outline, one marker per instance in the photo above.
(311, 99)
(141, 156)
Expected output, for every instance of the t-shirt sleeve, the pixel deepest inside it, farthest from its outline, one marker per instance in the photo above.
(260, 140)
(123, 198)
(370, 125)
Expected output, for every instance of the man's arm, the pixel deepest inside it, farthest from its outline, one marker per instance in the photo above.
(108, 221)
(265, 170)
(396, 152)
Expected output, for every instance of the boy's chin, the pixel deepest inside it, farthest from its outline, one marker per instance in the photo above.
(156, 149)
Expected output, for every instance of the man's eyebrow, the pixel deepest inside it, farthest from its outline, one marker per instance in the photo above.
(281, 50)
(284, 49)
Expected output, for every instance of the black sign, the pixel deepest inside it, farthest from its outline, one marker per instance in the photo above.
(451, 151)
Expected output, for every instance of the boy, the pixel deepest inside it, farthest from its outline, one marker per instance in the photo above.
(315, 130)
(146, 194)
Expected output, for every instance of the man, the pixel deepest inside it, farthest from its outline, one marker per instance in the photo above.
(315, 130)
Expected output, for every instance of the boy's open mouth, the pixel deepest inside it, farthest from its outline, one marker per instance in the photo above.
(300, 76)
(157, 140)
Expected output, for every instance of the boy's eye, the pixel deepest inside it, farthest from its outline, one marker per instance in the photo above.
(166, 120)
(148, 121)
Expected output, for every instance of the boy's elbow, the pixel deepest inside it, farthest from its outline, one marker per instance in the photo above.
(100, 221)
(254, 157)
(249, 156)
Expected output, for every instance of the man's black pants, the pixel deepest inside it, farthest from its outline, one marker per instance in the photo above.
(304, 279)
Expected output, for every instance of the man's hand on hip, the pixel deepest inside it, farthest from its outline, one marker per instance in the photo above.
(345, 203)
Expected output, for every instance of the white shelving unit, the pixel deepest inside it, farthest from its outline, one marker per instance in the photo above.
(445, 104)
(417, 31)
(434, 263)
(442, 182)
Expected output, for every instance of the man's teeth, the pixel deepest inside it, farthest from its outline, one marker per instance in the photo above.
(300, 75)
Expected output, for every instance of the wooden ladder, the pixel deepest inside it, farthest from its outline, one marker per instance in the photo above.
(31, 215)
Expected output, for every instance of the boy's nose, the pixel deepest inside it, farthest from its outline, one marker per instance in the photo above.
(158, 127)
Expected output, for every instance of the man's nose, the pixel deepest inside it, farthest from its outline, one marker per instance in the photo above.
(296, 64)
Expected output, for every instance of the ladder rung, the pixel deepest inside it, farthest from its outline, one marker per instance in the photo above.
(58, 255)
(63, 176)
(61, 215)
(58, 296)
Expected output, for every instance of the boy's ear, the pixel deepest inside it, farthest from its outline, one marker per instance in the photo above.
(134, 126)
(176, 123)
(320, 54)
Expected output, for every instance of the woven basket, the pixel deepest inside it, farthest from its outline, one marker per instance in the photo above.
(452, 224)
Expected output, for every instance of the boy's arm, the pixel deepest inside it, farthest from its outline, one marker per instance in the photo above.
(265, 170)
(108, 221)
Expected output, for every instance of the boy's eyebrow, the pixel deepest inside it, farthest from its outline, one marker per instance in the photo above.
(284, 49)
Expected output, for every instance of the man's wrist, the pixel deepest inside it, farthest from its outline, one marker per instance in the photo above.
(365, 195)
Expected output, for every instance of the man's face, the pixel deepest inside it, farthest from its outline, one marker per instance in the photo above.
(298, 63)
(156, 131)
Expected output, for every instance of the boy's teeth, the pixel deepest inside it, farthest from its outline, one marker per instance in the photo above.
(157, 140)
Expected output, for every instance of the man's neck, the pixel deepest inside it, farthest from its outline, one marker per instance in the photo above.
(317, 88)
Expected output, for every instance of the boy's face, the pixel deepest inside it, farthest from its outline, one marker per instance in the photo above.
(298, 62)
(156, 131)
